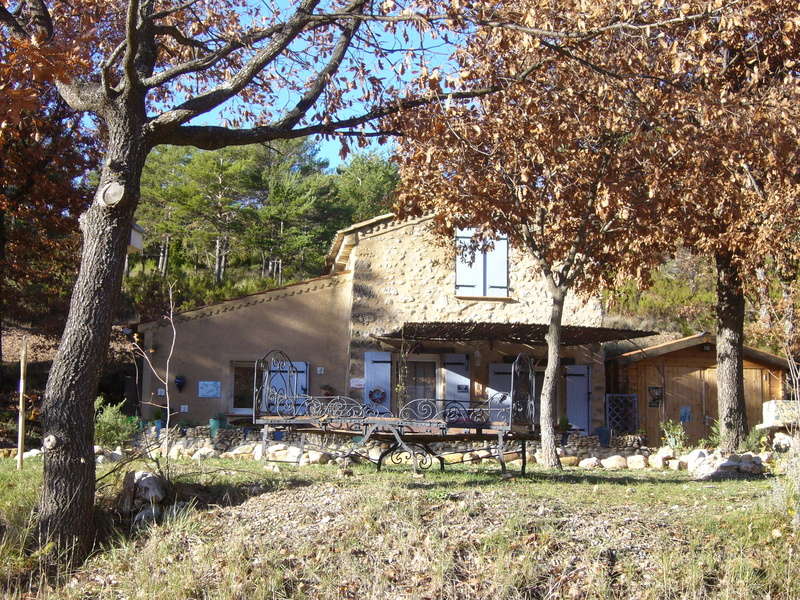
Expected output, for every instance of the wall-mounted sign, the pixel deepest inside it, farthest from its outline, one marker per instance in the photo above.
(357, 383)
(655, 396)
(209, 389)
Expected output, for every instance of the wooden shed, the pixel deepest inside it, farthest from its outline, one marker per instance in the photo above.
(677, 380)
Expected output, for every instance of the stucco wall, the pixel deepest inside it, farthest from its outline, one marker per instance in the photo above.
(309, 321)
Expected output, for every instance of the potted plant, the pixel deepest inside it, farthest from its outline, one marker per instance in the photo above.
(217, 423)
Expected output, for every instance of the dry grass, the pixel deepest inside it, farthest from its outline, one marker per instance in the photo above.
(463, 534)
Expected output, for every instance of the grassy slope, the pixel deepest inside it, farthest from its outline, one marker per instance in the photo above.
(462, 534)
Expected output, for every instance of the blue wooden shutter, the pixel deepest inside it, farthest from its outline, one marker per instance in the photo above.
(378, 378)
(497, 269)
(469, 277)
(290, 380)
(456, 378)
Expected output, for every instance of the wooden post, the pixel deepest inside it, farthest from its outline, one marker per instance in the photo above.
(23, 365)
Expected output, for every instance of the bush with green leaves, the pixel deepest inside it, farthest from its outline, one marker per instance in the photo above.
(712, 440)
(674, 435)
(756, 441)
(111, 426)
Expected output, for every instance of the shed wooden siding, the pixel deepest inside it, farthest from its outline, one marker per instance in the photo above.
(689, 378)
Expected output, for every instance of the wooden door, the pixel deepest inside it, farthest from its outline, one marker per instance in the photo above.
(754, 395)
(651, 411)
(684, 400)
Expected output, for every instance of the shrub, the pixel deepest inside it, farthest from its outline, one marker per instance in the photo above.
(674, 435)
(712, 441)
(786, 488)
(111, 427)
(756, 441)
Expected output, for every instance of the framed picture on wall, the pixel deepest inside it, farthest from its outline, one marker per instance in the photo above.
(209, 389)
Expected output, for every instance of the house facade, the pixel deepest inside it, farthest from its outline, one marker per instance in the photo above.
(400, 315)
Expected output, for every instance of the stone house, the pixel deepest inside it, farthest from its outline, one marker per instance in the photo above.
(398, 316)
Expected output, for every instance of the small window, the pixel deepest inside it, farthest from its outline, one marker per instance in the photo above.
(487, 275)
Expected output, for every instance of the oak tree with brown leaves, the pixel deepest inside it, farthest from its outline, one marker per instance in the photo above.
(698, 116)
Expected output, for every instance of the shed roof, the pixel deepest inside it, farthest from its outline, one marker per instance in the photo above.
(698, 339)
(522, 333)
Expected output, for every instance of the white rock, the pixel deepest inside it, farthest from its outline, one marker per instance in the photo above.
(272, 467)
(590, 463)
(614, 462)
(32, 453)
(637, 461)
(694, 458)
(243, 449)
(258, 451)
(657, 462)
(149, 487)
(293, 452)
(677, 464)
(98, 450)
(666, 452)
(782, 442)
(374, 453)
(149, 515)
(318, 458)
(204, 453)
(174, 453)
(276, 448)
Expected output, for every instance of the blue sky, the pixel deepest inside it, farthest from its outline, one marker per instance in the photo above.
(329, 149)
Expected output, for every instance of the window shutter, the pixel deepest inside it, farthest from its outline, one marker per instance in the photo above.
(378, 378)
(291, 381)
(497, 269)
(456, 378)
(469, 277)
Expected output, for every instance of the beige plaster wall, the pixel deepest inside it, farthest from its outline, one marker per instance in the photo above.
(309, 321)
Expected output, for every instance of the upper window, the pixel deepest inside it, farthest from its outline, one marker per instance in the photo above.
(487, 276)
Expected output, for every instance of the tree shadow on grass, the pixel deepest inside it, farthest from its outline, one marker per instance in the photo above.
(204, 496)
(455, 479)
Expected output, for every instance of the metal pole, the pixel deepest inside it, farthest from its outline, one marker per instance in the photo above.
(23, 364)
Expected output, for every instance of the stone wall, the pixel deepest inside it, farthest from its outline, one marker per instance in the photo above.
(401, 274)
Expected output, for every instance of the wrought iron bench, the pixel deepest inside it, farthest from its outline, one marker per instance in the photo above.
(410, 431)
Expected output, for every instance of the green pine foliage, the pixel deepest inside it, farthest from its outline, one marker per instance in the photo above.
(681, 298)
(111, 426)
(238, 221)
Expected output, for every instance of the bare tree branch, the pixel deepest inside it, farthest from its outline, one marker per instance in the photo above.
(210, 100)
(323, 76)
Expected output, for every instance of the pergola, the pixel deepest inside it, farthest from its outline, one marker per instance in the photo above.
(515, 333)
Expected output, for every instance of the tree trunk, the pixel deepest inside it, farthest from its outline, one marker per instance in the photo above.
(67, 501)
(218, 260)
(550, 385)
(730, 370)
(163, 255)
(2, 284)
